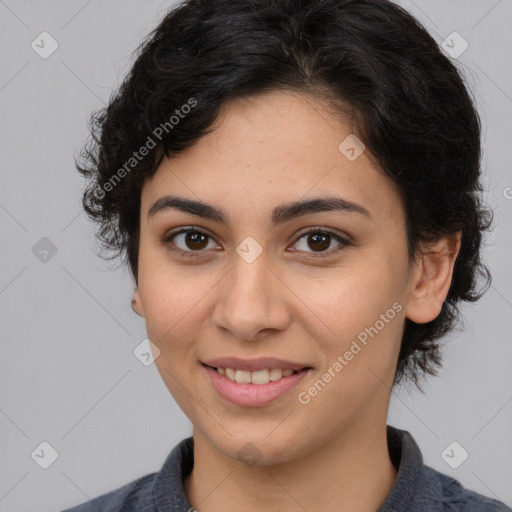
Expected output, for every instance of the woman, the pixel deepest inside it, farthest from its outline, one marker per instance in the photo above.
(295, 188)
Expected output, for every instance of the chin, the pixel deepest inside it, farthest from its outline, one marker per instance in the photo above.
(258, 448)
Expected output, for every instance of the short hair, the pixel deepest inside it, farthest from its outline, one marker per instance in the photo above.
(370, 60)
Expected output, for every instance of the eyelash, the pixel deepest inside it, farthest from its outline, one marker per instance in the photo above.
(197, 254)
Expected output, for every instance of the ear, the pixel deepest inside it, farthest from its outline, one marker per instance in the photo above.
(431, 279)
(137, 304)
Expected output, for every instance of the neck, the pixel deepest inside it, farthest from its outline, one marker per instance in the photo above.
(353, 471)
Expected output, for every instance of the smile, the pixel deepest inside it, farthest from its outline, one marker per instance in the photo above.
(254, 388)
(257, 377)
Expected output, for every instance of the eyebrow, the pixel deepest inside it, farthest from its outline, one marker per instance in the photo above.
(280, 214)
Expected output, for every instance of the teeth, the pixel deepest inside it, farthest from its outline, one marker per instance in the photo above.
(243, 377)
(260, 377)
(256, 377)
(276, 373)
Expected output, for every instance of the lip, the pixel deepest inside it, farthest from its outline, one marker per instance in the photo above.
(253, 395)
(252, 365)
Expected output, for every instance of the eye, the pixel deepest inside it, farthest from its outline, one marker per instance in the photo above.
(320, 240)
(189, 242)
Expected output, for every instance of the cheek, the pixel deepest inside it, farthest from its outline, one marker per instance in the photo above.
(171, 296)
(357, 322)
(347, 300)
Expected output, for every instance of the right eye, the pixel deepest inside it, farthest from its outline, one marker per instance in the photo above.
(189, 242)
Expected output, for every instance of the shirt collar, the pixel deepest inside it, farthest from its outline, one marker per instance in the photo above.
(169, 493)
(406, 457)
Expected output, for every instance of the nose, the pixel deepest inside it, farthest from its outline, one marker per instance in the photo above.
(252, 300)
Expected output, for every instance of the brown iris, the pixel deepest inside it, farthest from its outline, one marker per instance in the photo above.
(193, 239)
(321, 241)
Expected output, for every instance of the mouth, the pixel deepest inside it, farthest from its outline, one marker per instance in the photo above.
(265, 382)
(258, 377)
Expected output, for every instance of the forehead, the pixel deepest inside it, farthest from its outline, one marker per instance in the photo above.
(270, 149)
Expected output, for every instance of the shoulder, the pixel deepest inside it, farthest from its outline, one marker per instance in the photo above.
(448, 494)
(420, 487)
(142, 494)
(133, 496)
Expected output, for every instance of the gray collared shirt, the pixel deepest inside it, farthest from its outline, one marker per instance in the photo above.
(417, 487)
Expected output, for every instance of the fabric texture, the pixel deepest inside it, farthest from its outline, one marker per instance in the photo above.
(417, 487)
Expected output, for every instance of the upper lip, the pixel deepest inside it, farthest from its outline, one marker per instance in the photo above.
(260, 363)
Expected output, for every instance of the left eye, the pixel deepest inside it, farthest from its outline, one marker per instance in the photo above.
(321, 240)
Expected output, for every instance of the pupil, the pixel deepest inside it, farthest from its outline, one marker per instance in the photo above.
(193, 239)
(323, 245)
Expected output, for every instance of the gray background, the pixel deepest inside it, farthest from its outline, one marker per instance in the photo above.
(68, 375)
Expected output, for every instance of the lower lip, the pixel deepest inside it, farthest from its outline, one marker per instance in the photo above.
(253, 395)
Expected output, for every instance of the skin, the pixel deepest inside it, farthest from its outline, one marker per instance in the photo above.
(331, 452)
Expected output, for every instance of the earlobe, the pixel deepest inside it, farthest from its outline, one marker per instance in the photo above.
(136, 303)
(431, 279)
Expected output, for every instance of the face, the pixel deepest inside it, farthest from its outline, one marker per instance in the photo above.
(256, 284)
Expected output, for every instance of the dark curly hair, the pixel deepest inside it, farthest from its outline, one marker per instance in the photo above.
(370, 60)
